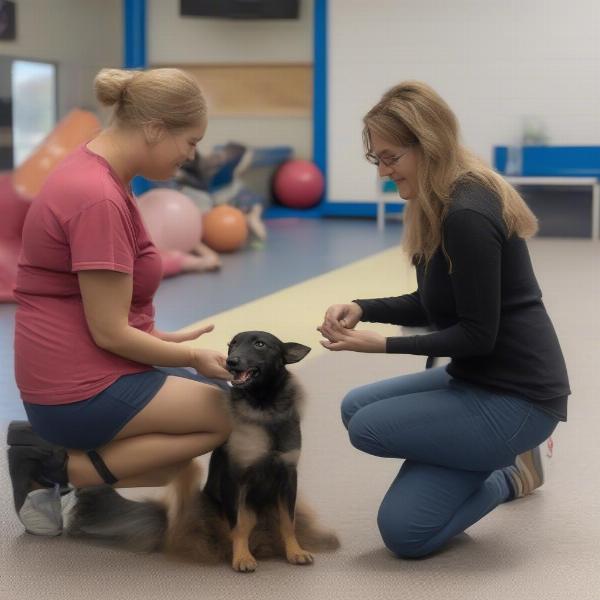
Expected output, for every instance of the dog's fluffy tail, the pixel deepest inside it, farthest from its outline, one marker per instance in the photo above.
(312, 536)
(197, 531)
(183, 490)
(100, 513)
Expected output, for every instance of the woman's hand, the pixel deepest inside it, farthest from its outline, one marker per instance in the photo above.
(209, 363)
(180, 336)
(347, 315)
(341, 338)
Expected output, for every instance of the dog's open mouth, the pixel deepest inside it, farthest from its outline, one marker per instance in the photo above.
(242, 378)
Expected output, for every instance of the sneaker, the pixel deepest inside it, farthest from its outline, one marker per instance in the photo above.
(33, 462)
(527, 474)
(47, 511)
(41, 512)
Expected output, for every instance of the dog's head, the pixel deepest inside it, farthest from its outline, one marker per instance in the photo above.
(256, 358)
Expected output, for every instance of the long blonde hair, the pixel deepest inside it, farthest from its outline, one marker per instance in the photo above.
(413, 114)
(168, 97)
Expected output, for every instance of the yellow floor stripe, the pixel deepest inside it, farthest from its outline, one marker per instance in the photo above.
(292, 314)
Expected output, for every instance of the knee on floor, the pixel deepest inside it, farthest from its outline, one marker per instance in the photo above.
(399, 534)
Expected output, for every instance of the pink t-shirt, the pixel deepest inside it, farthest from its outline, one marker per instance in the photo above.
(83, 219)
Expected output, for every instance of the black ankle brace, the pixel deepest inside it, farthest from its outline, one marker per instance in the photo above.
(101, 467)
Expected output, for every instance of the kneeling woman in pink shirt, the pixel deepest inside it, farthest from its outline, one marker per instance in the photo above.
(88, 360)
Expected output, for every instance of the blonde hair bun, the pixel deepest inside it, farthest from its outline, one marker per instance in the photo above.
(110, 84)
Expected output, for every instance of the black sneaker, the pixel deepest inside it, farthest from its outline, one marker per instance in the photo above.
(32, 460)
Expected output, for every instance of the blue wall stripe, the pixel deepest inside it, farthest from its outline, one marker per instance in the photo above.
(332, 209)
(134, 50)
(320, 97)
(320, 86)
(134, 19)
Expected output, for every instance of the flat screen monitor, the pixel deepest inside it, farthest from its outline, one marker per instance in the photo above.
(241, 9)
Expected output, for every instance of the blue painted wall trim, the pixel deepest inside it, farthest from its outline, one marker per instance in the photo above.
(320, 96)
(135, 57)
(332, 209)
(320, 86)
(134, 44)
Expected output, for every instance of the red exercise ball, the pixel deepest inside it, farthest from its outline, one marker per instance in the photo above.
(298, 184)
(224, 228)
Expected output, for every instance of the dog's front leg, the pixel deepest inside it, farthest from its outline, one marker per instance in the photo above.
(295, 554)
(243, 560)
(286, 505)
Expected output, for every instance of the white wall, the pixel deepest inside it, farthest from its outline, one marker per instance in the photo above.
(82, 36)
(175, 39)
(494, 61)
(178, 40)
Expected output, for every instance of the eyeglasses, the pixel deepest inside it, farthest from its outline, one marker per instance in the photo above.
(388, 161)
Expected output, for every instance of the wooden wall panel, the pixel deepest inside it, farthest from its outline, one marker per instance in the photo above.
(255, 90)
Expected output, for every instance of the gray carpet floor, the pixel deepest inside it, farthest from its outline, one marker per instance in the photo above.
(545, 546)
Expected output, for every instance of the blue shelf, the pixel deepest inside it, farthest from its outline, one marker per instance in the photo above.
(553, 161)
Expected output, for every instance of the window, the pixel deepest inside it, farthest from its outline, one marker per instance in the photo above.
(33, 90)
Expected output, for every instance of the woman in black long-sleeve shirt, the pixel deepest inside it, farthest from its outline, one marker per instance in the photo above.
(469, 433)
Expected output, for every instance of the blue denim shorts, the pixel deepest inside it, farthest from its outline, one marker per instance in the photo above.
(92, 423)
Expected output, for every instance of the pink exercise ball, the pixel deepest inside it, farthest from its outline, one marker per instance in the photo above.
(298, 184)
(173, 220)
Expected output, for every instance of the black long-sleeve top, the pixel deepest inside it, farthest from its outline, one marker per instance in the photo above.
(486, 310)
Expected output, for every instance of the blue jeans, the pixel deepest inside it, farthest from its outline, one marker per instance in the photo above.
(455, 438)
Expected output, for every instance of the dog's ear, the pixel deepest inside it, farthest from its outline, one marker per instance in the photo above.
(293, 352)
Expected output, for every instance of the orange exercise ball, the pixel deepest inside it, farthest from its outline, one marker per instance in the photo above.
(224, 228)
(77, 127)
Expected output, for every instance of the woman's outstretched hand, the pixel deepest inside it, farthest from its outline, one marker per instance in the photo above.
(178, 336)
(210, 363)
(338, 337)
(347, 315)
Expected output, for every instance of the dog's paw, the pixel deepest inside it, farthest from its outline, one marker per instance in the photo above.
(245, 563)
(300, 557)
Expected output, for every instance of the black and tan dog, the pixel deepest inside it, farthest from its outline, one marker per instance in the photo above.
(247, 509)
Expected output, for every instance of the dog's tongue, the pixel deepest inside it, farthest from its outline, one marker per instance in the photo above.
(243, 376)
